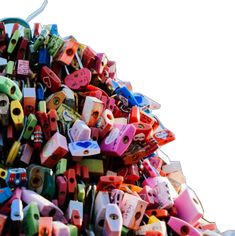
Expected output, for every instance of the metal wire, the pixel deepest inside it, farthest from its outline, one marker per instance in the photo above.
(37, 12)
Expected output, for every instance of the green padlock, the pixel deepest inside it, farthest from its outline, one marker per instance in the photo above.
(10, 88)
(95, 166)
(27, 33)
(81, 192)
(49, 185)
(31, 218)
(54, 45)
(40, 40)
(66, 114)
(10, 68)
(31, 123)
(127, 232)
(61, 166)
(73, 230)
(13, 41)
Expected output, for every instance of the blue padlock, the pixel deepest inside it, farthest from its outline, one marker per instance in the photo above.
(39, 93)
(54, 29)
(44, 57)
(126, 93)
(5, 193)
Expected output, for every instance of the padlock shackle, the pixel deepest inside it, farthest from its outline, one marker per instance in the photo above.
(16, 20)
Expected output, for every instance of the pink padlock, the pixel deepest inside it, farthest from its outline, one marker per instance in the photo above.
(132, 208)
(80, 131)
(149, 195)
(182, 227)
(188, 207)
(23, 67)
(118, 140)
(149, 169)
(100, 62)
(55, 149)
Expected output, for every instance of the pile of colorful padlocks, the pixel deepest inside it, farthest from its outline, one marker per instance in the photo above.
(80, 151)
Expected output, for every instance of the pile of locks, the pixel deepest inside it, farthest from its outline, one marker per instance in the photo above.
(80, 151)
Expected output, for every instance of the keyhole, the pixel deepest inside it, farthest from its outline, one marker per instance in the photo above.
(113, 216)
(184, 230)
(16, 111)
(3, 103)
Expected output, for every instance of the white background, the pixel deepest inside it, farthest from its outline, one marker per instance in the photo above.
(180, 53)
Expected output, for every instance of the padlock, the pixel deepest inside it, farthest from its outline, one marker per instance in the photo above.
(40, 39)
(177, 179)
(172, 167)
(61, 190)
(50, 79)
(182, 227)
(52, 117)
(49, 185)
(21, 52)
(157, 226)
(13, 41)
(163, 137)
(92, 110)
(159, 213)
(27, 34)
(37, 30)
(36, 175)
(44, 57)
(3, 35)
(88, 56)
(16, 177)
(130, 188)
(130, 173)
(108, 183)
(46, 208)
(61, 166)
(74, 205)
(3, 218)
(188, 207)
(132, 209)
(153, 219)
(148, 119)
(29, 100)
(134, 116)
(81, 192)
(105, 123)
(17, 210)
(9, 71)
(17, 114)
(42, 117)
(113, 220)
(117, 196)
(66, 114)
(148, 169)
(85, 173)
(101, 202)
(3, 173)
(80, 131)
(31, 219)
(95, 166)
(10, 88)
(45, 226)
(94, 133)
(55, 100)
(118, 140)
(30, 125)
(149, 195)
(39, 92)
(76, 219)
(55, 149)
(143, 131)
(73, 230)
(164, 190)
(6, 208)
(68, 51)
(71, 181)
(4, 109)
(83, 148)
(37, 137)
(54, 45)
(69, 97)
(124, 92)
(58, 228)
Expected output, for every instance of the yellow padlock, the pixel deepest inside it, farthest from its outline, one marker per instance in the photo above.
(17, 114)
(3, 173)
(13, 153)
(153, 219)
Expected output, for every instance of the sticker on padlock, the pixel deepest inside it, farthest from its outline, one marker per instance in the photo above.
(46, 208)
(118, 140)
(67, 114)
(58, 228)
(92, 110)
(17, 210)
(84, 148)
(4, 109)
(143, 131)
(55, 149)
(31, 219)
(22, 68)
(182, 227)
(29, 100)
(188, 207)
(45, 226)
(50, 79)
(113, 221)
(132, 209)
(163, 137)
(16, 177)
(55, 100)
(80, 131)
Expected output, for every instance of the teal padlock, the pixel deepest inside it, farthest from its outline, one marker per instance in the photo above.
(10, 88)
(31, 218)
(49, 184)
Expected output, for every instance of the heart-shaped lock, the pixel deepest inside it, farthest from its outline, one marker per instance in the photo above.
(79, 79)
